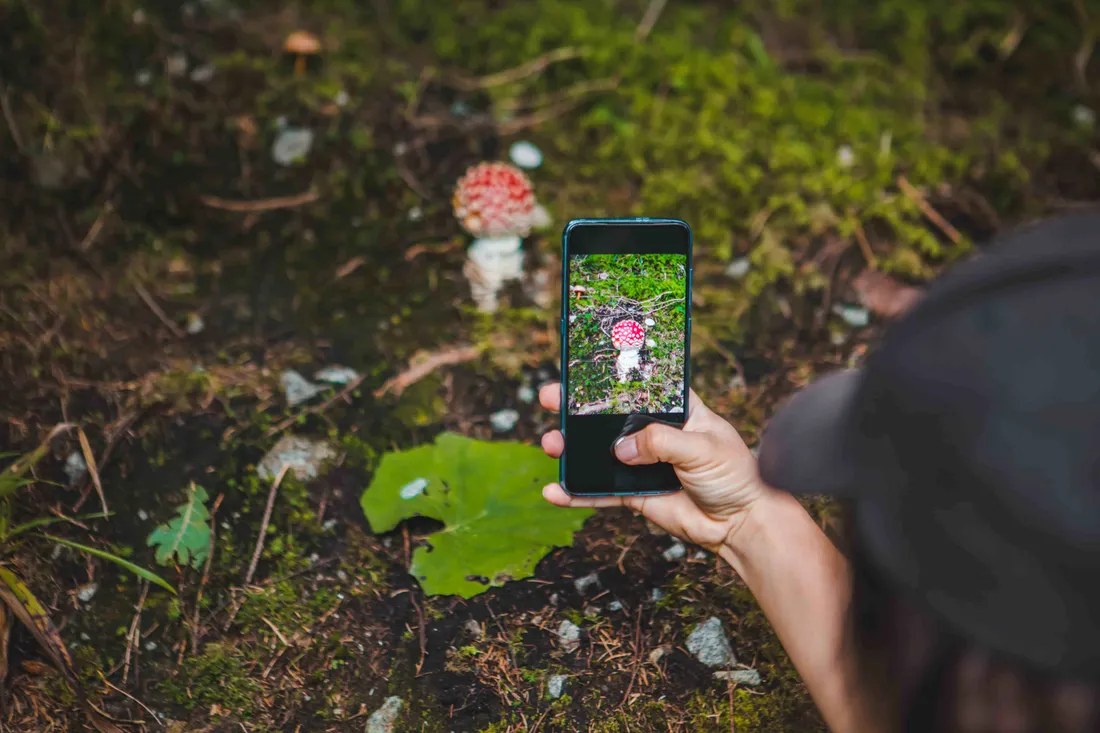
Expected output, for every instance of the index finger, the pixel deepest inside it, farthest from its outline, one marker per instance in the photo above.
(550, 396)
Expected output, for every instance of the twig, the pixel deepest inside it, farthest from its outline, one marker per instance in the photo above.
(275, 628)
(134, 634)
(652, 13)
(864, 245)
(926, 208)
(145, 707)
(263, 524)
(316, 409)
(278, 202)
(158, 311)
(6, 106)
(522, 71)
(195, 638)
(425, 364)
(93, 232)
(554, 110)
(637, 655)
(423, 637)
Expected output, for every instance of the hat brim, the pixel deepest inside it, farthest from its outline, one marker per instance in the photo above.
(802, 449)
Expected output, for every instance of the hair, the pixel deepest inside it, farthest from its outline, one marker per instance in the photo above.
(930, 679)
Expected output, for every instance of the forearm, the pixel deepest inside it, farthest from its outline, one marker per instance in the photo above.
(804, 586)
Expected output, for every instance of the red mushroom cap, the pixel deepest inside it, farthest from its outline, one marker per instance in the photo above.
(627, 335)
(494, 200)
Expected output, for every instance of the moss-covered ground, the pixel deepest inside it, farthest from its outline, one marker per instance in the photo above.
(805, 142)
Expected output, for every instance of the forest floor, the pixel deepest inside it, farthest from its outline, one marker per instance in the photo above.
(161, 272)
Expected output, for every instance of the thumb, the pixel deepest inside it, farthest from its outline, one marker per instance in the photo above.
(661, 443)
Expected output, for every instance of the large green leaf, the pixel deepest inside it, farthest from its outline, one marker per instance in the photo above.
(185, 539)
(488, 495)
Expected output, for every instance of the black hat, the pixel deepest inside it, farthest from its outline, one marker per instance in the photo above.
(969, 445)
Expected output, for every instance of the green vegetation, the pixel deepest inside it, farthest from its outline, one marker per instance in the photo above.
(605, 290)
(186, 538)
(216, 676)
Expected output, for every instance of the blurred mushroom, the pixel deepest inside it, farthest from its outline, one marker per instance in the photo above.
(628, 337)
(302, 44)
(494, 202)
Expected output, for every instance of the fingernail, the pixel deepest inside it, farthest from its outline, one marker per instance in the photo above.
(626, 449)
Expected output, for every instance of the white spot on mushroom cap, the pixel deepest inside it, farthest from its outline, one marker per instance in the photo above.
(414, 488)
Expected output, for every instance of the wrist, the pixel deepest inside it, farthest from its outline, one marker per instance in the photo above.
(768, 513)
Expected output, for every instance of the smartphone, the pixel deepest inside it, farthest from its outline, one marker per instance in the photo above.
(625, 360)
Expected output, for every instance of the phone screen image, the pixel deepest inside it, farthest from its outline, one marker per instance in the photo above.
(626, 326)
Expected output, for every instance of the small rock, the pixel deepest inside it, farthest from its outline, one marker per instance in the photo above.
(855, 316)
(292, 145)
(143, 515)
(474, 629)
(176, 64)
(749, 677)
(700, 555)
(572, 317)
(336, 375)
(525, 394)
(709, 644)
(845, 156)
(1084, 116)
(582, 584)
(297, 388)
(460, 109)
(138, 17)
(75, 467)
(341, 98)
(303, 456)
(143, 77)
(195, 325)
(591, 610)
(202, 74)
(656, 654)
(604, 275)
(656, 595)
(150, 646)
(504, 420)
(525, 155)
(650, 322)
(87, 592)
(540, 218)
(650, 343)
(384, 719)
(330, 524)
(414, 488)
(615, 606)
(415, 214)
(738, 268)
(554, 598)
(676, 552)
(569, 636)
(555, 686)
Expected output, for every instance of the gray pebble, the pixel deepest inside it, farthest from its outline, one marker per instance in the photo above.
(749, 677)
(384, 719)
(555, 686)
(709, 644)
(569, 635)
(583, 584)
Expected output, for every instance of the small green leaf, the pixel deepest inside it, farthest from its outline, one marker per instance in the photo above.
(187, 537)
(126, 564)
(488, 494)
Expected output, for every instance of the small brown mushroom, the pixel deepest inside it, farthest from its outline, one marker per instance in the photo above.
(302, 44)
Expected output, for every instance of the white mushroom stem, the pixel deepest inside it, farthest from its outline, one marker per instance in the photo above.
(492, 261)
(627, 361)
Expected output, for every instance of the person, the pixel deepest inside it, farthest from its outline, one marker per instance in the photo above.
(967, 453)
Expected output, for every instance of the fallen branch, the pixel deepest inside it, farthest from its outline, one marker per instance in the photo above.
(422, 365)
(524, 70)
(158, 311)
(926, 208)
(263, 524)
(278, 202)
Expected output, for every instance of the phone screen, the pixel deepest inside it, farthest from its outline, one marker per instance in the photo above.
(625, 333)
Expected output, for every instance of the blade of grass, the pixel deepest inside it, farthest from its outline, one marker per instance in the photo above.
(44, 521)
(89, 459)
(126, 564)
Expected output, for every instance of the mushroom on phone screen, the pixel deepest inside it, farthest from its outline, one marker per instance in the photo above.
(628, 337)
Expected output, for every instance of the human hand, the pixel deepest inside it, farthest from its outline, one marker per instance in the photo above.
(715, 467)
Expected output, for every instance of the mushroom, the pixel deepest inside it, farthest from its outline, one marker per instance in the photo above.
(302, 44)
(628, 337)
(494, 202)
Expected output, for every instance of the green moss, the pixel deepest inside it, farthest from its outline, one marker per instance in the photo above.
(218, 675)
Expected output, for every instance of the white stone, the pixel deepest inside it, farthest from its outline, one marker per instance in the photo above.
(384, 719)
(176, 64)
(553, 599)
(525, 154)
(138, 17)
(656, 654)
(336, 375)
(341, 98)
(143, 515)
(87, 592)
(1084, 116)
(569, 635)
(150, 646)
(491, 262)
(656, 595)
(526, 394)
(700, 555)
(845, 156)
(555, 686)
(303, 456)
(474, 629)
(143, 77)
(584, 583)
(615, 606)
(414, 488)
(297, 388)
(738, 268)
(748, 677)
(676, 552)
(504, 420)
(75, 467)
(203, 74)
(292, 145)
(855, 316)
(650, 343)
(708, 643)
(415, 214)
